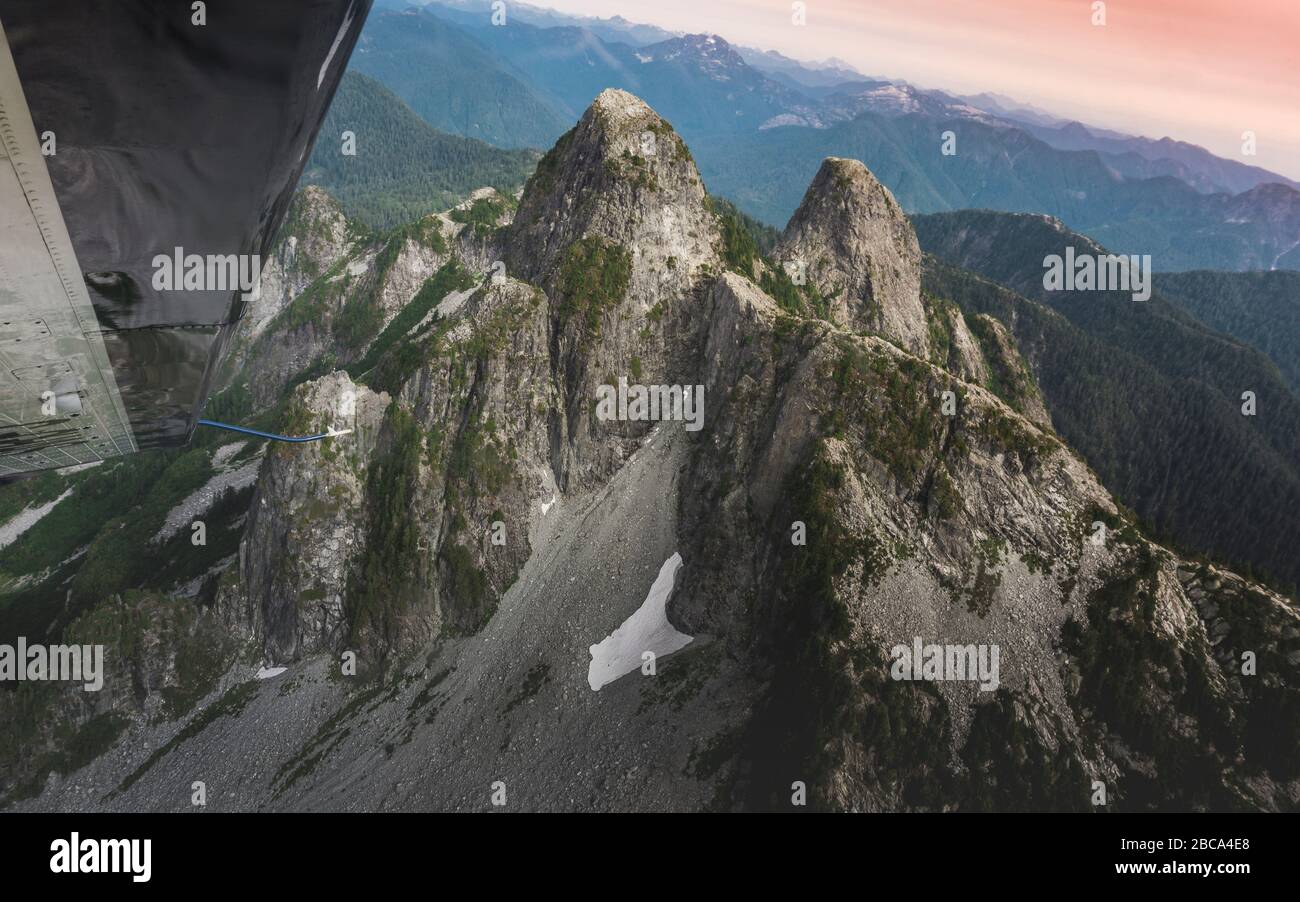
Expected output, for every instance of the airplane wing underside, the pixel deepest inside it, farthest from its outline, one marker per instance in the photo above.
(148, 152)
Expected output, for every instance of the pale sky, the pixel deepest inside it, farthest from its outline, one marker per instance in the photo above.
(1203, 71)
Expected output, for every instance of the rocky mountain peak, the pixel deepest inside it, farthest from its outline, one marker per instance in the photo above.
(855, 244)
(706, 50)
(614, 106)
(621, 174)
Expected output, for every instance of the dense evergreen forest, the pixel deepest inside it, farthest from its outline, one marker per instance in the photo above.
(1260, 308)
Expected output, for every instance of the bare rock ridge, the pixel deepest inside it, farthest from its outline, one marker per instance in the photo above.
(855, 244)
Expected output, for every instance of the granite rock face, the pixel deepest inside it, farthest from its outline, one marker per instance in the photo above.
(306, 525)
(852, 240)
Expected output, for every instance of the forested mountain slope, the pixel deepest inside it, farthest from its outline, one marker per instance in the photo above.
(1150, 396)
(401, 168)
(1260, 308)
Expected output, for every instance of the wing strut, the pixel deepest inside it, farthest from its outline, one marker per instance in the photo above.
(273, 436)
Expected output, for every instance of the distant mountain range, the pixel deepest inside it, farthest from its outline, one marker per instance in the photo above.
(761, 123)
(453, 82)
(478, 12)
(830, 73)
(1007, 169)
(1145, 158)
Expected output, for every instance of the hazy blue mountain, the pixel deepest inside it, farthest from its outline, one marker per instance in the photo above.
(701, 82)
(758, 139)
(1194, 165)
(1003, 168)
(795, 73)
(1010, 108)
(1128, 155)
(453, 82)
(567, 64)
(475, 13)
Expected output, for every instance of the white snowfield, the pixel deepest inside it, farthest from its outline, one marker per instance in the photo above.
(646, 630)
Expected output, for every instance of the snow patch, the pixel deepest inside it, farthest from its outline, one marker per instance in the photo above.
(646, 630)
(547, 505)
(266, 673)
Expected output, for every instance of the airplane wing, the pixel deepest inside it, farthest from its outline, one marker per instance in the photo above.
(148, 152)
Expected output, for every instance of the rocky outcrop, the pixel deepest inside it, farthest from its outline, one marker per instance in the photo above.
(615, 229)
(160, 657)
(951, 344)
(621, 173)
(839, 514)
(306, 527)
(854, 243)
(483, 399)
(346, 308)
(1007, 374)
(406, 261)
(315, 235)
